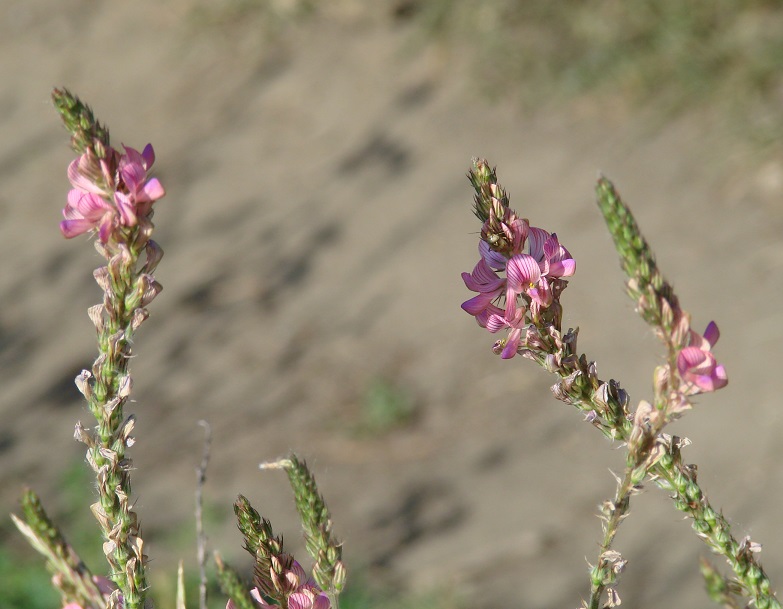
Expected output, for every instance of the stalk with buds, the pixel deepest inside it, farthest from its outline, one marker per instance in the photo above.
(112, 197)
(519, 279)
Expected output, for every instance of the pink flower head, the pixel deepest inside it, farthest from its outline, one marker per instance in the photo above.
(534, 263)
(305, 592)
(697, 365)
(115, 193)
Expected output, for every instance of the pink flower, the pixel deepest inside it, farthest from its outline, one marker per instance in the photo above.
(516, 325)
(86, 211)
(133, 169)
(306, 597)
(305, 592)
(534, 263)
(523, 274)
(109, 193)
(554, 260)
(488, 285)
(697, 365)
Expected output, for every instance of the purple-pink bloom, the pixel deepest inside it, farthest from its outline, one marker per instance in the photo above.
(484, 281)
(697, 365)
(305, 595)
(534, 263)
(554, 260)
(516, 324)
(488, 285)
(116, 193)
(86, 211)
(522, 273)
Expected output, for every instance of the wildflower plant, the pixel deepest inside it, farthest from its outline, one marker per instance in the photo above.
(519, 279)
(112, 198)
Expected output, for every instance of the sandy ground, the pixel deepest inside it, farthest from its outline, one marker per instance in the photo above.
(316, 222)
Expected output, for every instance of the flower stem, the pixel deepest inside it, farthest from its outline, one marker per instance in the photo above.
(603, 576)
(606, 406)
(106, 394)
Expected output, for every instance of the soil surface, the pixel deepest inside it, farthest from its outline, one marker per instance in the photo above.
(316, 222)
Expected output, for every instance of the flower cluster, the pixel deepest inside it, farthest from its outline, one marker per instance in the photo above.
(300, 591)
(110, 192)
(532, 259)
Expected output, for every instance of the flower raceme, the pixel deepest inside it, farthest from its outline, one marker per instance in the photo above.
(528, 284)
(110, 192)
(301, 592)
(304, 598)
(697, 365)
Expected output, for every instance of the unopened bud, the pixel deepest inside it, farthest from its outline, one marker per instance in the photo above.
(339, 576)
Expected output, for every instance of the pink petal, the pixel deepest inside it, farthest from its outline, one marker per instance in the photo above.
(689, 358)
(132, 169)
(126, 208)
(79, 180)
(496, 323)
(512, 342)
(88, 204)
(321, 601)
(151, 191)
(483, 318)
(479, 303)
(519, 229)
(73, 228)
(300, 600)
(106, 227)
(482, 279)
(542, 294)
(494, 259)
(538, 237)
(564, 268)
(522, 271)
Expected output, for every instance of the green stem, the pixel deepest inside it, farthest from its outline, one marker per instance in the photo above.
(580, 388)
(604, 574)
(107, 453)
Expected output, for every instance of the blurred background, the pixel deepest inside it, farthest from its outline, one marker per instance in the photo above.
(315, 227)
